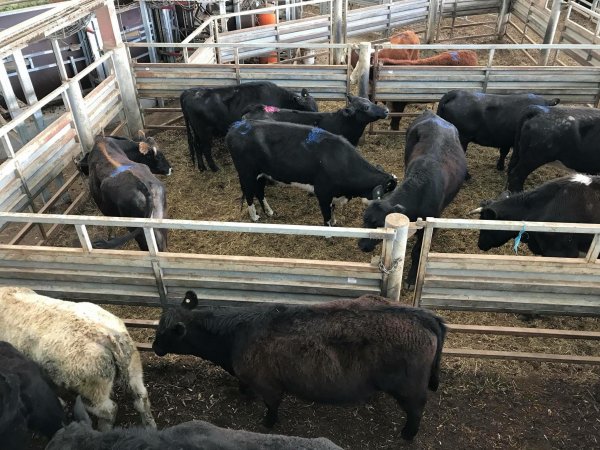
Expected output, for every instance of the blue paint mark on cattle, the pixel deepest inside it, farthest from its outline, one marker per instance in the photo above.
(518, 239)
(120, 169)
(241, 126)
(315, 136)
(544, 108)
(454, 56)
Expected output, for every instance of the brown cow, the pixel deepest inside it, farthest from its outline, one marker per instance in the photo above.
(451, 58)
(407, 37)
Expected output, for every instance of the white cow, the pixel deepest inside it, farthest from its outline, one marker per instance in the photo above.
(81, 347)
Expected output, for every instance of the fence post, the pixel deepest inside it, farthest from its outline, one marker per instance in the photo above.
(550, 31)
(503, 18)
(337, 30)
(393, 260)
(364, 65)
(431, 21)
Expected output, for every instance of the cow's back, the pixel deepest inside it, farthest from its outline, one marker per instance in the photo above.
(218, 108)
(47, 330)
(283, 150)
(350, 345)
(487, 119)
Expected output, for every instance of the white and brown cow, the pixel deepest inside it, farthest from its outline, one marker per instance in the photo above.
(80, 346)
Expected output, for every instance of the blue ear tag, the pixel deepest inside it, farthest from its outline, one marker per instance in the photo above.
(518, 239)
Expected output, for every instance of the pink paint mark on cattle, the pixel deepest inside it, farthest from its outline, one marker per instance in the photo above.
(271, 109)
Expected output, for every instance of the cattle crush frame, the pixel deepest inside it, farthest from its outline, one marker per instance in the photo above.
(155, 278)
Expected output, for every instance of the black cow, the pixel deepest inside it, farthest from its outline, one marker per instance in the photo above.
(310, 158)
(490, 120)
(568, 135)
(349, 122)
(337, 352)
(574, 199)
(196, 434)
(122, 184)
(26, 400)
(435, 168)
(209, 112)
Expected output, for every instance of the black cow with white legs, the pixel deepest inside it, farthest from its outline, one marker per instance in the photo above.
(349, 122)
(122, 182)
(306, 157)
(544, 135)
(209, 112)
(490, 120)
(435, 168)
(571, 199)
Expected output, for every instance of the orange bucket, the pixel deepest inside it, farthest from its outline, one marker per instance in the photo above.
(267, 19)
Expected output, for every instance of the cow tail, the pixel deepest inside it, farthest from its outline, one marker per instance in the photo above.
(121, 240)
(514, 157)
(189, 129)
(438, 327)
(122, 348)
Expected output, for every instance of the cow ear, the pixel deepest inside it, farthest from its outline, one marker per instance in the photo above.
(179, 330)
(304, 92)
(80, 414)
(141, 134)
(190, 301)
(377, 192)
(144, 148)
(391, 184)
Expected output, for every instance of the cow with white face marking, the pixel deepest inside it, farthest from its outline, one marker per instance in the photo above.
(544, 135)
(435, 168)
(122, 184)
(571, 199)
(81, 347)
(305, 157)
(490, 120)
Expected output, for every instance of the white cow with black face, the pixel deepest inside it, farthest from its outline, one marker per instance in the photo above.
(80, 346)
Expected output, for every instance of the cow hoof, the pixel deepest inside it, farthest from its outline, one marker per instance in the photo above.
(500, 168)
(407, 436)
(214, 168)
(408, 286)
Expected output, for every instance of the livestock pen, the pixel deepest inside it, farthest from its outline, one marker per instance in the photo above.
(227, 260)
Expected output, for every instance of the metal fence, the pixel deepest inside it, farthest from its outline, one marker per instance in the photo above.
(156, 278)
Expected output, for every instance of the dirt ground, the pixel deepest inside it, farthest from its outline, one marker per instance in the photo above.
(480, 403)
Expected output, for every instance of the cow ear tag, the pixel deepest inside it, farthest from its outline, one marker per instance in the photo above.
(190, 301)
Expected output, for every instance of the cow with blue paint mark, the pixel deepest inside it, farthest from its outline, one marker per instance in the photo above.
(122, 184)
(544, 135)
(306, 157)
(435, 168)
(489, 120)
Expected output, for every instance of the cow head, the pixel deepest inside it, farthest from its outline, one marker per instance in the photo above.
(492, 210)
(305, 102)
(149, 154)
(364, 110)
(172, 327)
(374, 217)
